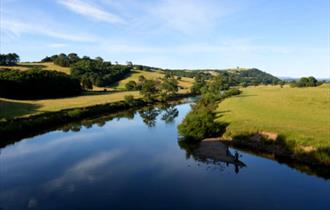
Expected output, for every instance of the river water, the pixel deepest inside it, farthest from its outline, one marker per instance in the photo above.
(136, 162)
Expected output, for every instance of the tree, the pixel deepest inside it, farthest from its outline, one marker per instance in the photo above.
(217, 84)
(149, 90)
(9, 59)
(99, 59)
(62, 60)
(131, 85)
(199, 124)
(37, 84)
(73, 58)
(199, 83)
(86, 83)
(101, 73)
(306, 82)
(142, 78)
(129, 64)
(169, 86)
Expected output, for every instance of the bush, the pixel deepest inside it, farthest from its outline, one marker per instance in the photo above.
(199, 124)
(131, 85)
(129, 99)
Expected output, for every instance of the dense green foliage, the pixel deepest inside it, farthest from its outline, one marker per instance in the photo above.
(232, 78)
(200, 123)
(169, 87)
(36, 84)
(9, 59)
(91, 71)
(100, 73)
(305, 82)
(63, 59)
(248, 77)
(198, 84)
(189, 73)
(149, 90)
(162, 90)
(131, 85)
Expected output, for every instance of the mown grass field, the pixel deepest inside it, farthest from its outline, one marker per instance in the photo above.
(301, 115)
(43, 65)
(16, 108)
(185, 82)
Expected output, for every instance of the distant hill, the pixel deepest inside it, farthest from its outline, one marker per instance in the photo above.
(250, 76)
(234, 77)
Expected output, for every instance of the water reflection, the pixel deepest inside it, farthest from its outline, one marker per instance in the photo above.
(212, 153)
(149, 116)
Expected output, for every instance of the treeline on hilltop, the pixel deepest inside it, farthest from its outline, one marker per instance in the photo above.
(243, 78)
(9, 59)
(37, 84)
(91, 71)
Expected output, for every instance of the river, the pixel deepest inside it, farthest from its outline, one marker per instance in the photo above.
(136, 161)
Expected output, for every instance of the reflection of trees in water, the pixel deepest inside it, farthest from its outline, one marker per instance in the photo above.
(170, 113)
(149, 116)
(213, 154)
(100, 121)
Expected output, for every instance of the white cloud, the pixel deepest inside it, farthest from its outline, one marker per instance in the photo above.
(17, 28)
(91, 11)
(85, 170)
(57, 45)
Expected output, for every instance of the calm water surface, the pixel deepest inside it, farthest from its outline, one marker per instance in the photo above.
(135, 162)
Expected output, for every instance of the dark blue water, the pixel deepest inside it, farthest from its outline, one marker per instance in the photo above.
(137, 163)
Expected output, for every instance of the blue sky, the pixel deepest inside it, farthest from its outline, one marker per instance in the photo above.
(282, 37)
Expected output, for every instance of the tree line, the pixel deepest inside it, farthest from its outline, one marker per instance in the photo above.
(91, 71)
(306, 82)
(9, 59)
(37, 84)
(154, 90)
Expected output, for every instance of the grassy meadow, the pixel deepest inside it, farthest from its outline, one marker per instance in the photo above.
(16, 108)
(185, 82)
(43, 65)
(301, 115)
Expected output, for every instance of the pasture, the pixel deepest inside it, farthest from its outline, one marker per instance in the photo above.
(301, 115)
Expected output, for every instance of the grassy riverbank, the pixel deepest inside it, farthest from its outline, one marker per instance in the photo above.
(298, 117)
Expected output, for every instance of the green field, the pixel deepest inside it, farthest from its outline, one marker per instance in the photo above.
(17, 108)
(301, 115)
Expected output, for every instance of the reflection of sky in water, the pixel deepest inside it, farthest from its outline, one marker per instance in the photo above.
(126, 164)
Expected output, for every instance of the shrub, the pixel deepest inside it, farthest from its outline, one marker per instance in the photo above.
(131, 85)
(199, 124)
(129, 99)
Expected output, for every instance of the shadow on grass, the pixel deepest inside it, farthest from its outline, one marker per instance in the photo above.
(315, 162)
(31, 65)
(10, 109)
(115, 84)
